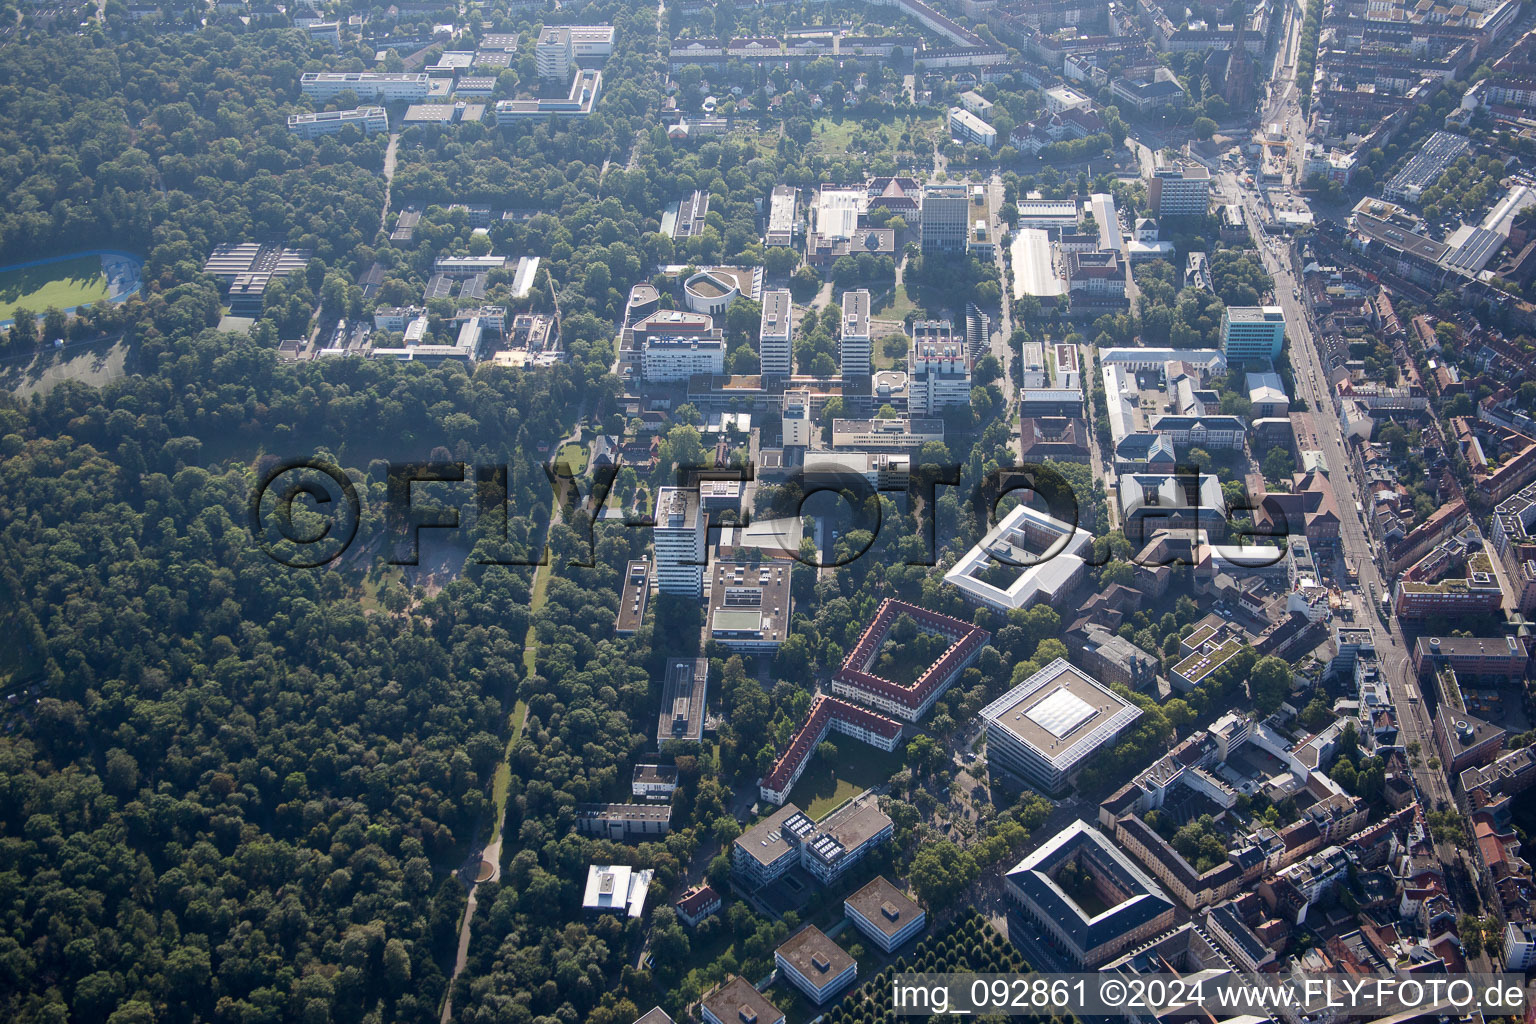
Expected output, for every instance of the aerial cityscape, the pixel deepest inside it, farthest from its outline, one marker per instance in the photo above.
(766, 511)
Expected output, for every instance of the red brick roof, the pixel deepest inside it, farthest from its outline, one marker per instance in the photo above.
(967, 640)
(819, 719)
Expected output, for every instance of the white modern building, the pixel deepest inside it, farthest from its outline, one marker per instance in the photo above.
(1026, 558)
(365, 85)
(371, 120)
(679, 537)
(798, 429)
(815, 964)
(1061, 99)
(967, 127)
(561, 46)
(854, 344)
(938, 369)
(677, 344)
(1044, 729)
(776, 335)
(888, 916)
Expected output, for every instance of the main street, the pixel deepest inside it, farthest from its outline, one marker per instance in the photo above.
(1312, 383)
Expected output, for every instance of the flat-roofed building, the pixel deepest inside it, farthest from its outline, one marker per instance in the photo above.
(561, 46)
(853, 338)
(749, 606)
(616, 889)
(799, 429)
(1028, 557)
(938, 369)
(1252, 333)
(677, 344)
(776, 335)
(248, 268)
(900, 433)
(653, 781)
(370, 120)
(844, 838)
(737, 1002)
(946, 216)
(888, 916)
(365, 85)
(815, 964)
(687, 218)
(635, 593)
(1046, 727)
(1179, 190)
(762, 854)
(684, 696)
(783, 210)
(1090, 898)
(967, 127)
(1207, 657)
(624, 822)
(1472, 658)
(579, 101)
(468, 266)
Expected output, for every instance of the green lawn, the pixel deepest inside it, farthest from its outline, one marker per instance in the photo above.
(897, 305)
(857, 767)
(65, 284)
(576, 454)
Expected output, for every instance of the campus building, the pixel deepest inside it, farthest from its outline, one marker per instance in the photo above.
(888, 916)
(815, 964)
(365, 85)
(854, 343)
(910, 703)
(676, 344)
(946, 217)
(1089, 898)
(1045, 728)
(561, 46)
(1179, 190)
(679, 538)
(370, 120)
(776, 335)
(827, 849)
(938, 369)
(1252, 333)
(967, 127)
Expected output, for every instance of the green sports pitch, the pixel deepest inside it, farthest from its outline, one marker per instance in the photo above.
(65, 284)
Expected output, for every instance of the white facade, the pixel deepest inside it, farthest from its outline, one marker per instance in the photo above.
(327, 122)
(671, 360)
(967, 127)
(561, 46)
(679, 536)
(798, 429)
(938, 376)
(776, 335)
(375, 85)
(854, 347)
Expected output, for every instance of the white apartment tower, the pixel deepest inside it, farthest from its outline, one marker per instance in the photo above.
(938, 369)
(855, 345)
(776, 336)
(679, 537)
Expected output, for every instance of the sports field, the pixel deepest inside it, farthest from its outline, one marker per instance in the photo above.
(65, 284)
